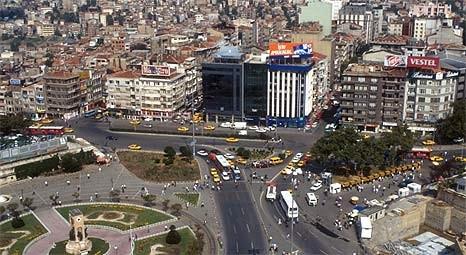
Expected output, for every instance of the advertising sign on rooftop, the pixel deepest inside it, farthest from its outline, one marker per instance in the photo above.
(278, 49)
(423, 62)
(156, 70)
(395, 61)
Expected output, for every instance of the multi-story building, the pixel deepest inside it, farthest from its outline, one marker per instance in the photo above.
(372, 97)
(93, 91)
(424, 27)
(456, 63)
(361, 15)
(289, 88)
(429, 97)
(400, 26)
(157, 92)
(222, 81)
(255, 89)
(62, 94)
(431, 9)
(320, 80)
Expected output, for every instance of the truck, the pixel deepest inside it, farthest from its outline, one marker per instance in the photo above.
(239, 125)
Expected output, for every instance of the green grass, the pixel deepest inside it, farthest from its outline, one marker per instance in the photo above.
(31, 224)
(149, 166)
(143, 246)
(192, 198)
(143, 216)
(99, 247)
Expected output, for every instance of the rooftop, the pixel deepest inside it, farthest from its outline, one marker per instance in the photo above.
(373, 70)
(63, 75)
(231, 52)
(126, 75)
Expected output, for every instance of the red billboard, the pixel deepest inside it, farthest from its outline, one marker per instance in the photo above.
(423, 62)
(290, 49)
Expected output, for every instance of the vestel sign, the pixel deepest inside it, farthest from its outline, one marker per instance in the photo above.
(423, 62)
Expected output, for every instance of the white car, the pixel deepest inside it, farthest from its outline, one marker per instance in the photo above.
(225, 125)
(298, 171)
(261, 130)
(315, 124)
(202, 153)
(299, 155)
(271, 128)
(316, 186)
(325, 107)
(225, 176)
(253, 127)
(229, 156)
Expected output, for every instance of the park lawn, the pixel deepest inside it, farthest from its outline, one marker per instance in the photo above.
(31, 224)
(142, 215)
(143, 246)
(99, 247)
(149, 166)
(192, 198)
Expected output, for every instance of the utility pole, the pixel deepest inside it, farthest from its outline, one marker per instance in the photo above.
(192, 120)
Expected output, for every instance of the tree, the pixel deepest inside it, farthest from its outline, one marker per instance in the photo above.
(185, 152)
(17, 122)
(149, 199)
(76, 196)
(169, 152)
(27, 202)
(453, 126)
(115, 196)
(173, 237)
(176, 209)
(70, 164)
(197, 245)
(244, 153)
(17, 222)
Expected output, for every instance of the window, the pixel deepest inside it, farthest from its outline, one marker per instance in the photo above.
(361, 79)
(373, 88)
(421, 100)
(422, 91)
(420, 108)
(435, 100)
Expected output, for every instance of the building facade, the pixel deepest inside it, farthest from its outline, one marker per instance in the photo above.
(372, 97)
(361, 15)
(431, 9)
(62, 94)
(255, 89)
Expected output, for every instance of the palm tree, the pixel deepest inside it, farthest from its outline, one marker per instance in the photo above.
(27, 202)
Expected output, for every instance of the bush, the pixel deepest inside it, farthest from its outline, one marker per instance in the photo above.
(35, 169)
(70, 164)
(86, 158)
(173, 237)
(169, 152)
(17, 222)
(168, 161)
(185, 151)
(244, 153)
(157, 161)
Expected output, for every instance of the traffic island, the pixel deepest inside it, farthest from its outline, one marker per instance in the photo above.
(14, 240)
(157, 244)
(99, 247)
(116, 215)
(156, 167)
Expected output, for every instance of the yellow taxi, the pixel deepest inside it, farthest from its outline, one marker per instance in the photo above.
(308, 154)
(183, 129)
(300, 163)
(288, 153)
(213, 171)
(460, 159)
(135, 122)
(428, 142)
(216, 179)
(134, 147)
(46, 121)
(291, 164)
(209, 128)
(98, 116)
(68, 130)
(232, 140)
(241, 161)
(287, 170)
(366, 136)
(436, 158)
(36, 125)
(230, 162)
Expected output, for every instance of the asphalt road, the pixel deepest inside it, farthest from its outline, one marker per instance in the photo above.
(240, 220)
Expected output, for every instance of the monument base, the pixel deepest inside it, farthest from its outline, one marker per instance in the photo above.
(78, 247)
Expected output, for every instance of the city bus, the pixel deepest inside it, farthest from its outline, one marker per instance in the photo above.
(288, 204)
(46, 130)
(90, 113)
(220, 162)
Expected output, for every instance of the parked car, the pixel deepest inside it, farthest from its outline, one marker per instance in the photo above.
(316, 186)
(229, 156)
(202, 153)
(225, 176)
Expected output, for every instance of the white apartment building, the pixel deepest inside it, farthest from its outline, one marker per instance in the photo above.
(431, 9)
(336, 6)
(319, 80)
(359, 14)
(395, 27)
(423, 27)
(428, 98)
(158, 92)
(289, 94)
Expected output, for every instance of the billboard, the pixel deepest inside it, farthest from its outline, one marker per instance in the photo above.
(278, 49)
(15, 82)
(433, 76)
(423, 62)
(395, 61)
(156, 70)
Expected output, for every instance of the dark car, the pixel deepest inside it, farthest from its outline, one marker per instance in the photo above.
(111, 138)
(405, 183)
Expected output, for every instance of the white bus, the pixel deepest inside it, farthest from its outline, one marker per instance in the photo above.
(288, 204)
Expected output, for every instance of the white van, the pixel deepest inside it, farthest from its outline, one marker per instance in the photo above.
(311, 199)
(271, 193)
(243, 132)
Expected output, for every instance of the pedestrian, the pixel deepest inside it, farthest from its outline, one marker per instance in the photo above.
(100, 169)
(46, 183)
(88, 176)
(202, 204)
(166, 227)
(287, 236)
(68, 182)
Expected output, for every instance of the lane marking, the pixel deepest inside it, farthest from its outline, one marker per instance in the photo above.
(234, 229)
(237, 247)
(337, 250)
(229, 211)
(324, 252)
(247, 226)
(242, 211)
(252, 245)
(299, 234)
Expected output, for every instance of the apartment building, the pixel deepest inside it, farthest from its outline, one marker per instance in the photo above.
(158, 92)
(361, 15)
(429, 97)
(424, 27)
(372, 97)
(431, 9)
(456, 63)
(62, 94)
